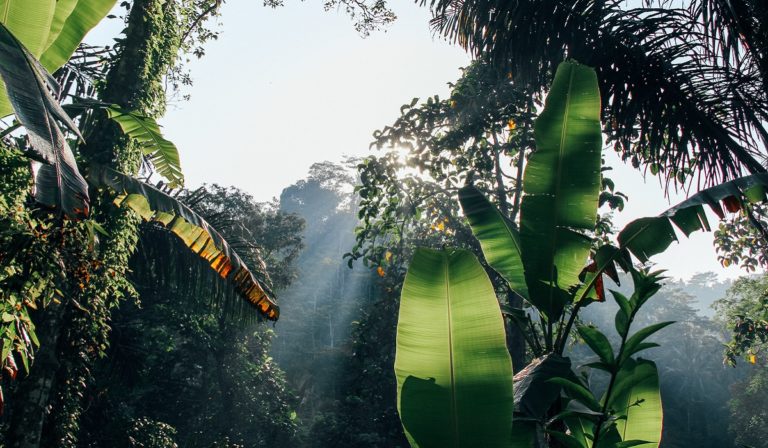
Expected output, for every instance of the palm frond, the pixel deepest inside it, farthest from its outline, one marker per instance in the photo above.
(673, 100)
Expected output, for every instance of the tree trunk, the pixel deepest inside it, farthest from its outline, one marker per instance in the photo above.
(31, 399)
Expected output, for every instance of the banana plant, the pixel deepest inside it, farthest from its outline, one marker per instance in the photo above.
(549, 259)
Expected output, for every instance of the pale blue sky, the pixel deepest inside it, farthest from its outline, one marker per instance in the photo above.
(284, 88)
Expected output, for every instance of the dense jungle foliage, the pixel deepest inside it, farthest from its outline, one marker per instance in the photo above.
(464, 285)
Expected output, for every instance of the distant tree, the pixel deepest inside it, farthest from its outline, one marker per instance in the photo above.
(744, 311)
(749, 409)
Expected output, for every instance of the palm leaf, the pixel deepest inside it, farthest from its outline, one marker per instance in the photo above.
(674, 98)
(454, 373)
(498, 238)
(561, 186)
(200, 237)
(58, 183)
(162, 154)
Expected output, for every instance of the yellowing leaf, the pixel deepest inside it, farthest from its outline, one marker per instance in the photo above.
(511, 124)
(380, 271)
(752, 358)
(388, 256)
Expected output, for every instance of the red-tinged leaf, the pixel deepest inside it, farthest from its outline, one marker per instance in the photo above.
(600, 289)
(732, 204)
(716, 208)
(610, 271)
(10, 367)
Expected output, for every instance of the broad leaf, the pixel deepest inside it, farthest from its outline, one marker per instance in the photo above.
(597, 342)
(646, 237)
(454, 373)
(578, 392)
(561, 186)
(641, 403)
(498, 238)
(30, 21)
(84, 15)
(58, 182)
(201, 238)
(50, 29)
(162, 153)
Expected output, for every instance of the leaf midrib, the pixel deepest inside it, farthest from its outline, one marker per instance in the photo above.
(454, 406)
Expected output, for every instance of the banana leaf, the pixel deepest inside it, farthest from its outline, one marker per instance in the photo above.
(83, 16)
(200, 237)
(58, 182)
(646, 237)
(51, 30)
(637, 397)
(454, 373)
(162, 154)
(498, 238)
(561, 186)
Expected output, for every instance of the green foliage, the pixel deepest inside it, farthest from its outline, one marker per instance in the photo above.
(749, 415)
(744, 311)
(145, 433)
(453, 370)
(161, 153)
(178, 358)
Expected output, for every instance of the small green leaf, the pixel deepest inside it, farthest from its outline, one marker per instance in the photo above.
(631, 346)
(597, 342)
(578, 392)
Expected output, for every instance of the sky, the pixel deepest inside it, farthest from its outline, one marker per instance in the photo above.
(284, 88)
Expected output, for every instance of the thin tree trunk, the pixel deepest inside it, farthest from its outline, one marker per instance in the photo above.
(31, 399)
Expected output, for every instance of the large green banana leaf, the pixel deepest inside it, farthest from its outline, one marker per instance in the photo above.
(498, 237)
(30, 21)
(162, 153)
(649, 236)
(561, 186)
(155, 206)
(84, 15)
(637, 396)
(58, 182)
(454, 373)
(50, 30)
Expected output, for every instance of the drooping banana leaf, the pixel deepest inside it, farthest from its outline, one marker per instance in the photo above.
(561, 186)
(58, 182)
(84, 15)
(646, 237)
(162, 153)
(637, 397)
(499, 238)
(454, 373)
(200, 237)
